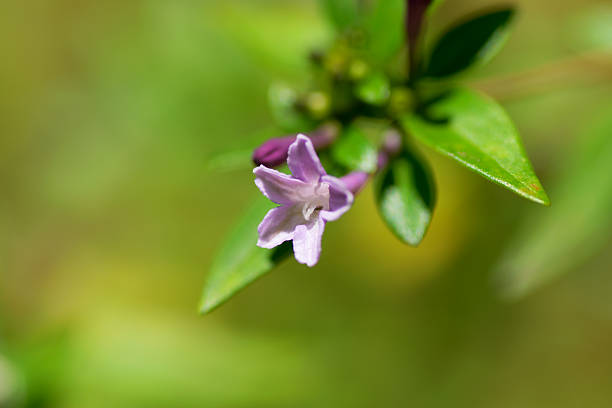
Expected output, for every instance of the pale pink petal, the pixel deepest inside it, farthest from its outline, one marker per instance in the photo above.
(307, 242)
(279, 225)
(303, 160)
(340, 198)
(278, 187)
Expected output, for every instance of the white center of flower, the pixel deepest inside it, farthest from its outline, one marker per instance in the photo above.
(317, 200)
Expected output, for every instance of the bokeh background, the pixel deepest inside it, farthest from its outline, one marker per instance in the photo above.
(110, 215)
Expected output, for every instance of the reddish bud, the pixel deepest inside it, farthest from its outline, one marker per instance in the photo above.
(274, 152)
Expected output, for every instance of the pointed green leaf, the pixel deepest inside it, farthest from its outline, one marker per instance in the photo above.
(374, 89)
(355, 151)
(340, 13)
(578, 226)
(405, 194)
(471, 42)
(385, 29)
(240, 261)
(474, 130)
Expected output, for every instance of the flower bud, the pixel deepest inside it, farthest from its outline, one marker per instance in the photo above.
(318, 104)
(358, 69)
(355, 181)
(392, 144)
(274, 152)
(401, 101)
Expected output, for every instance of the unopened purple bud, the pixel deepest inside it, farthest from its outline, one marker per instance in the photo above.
(415, 15)
(391, 146)
(274, 152)
(355, 181)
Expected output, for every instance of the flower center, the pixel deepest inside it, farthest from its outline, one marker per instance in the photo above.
(317, 201)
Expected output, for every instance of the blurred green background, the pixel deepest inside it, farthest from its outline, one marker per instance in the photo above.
(110, 216)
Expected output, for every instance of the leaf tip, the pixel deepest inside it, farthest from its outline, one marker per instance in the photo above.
(537, 195)
(415, 241)
(412, 238)
(210, 304)
(206, 306)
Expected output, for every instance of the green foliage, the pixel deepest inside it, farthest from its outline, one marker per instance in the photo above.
(405, 194)
(354, 151)
(474, 130)
(340, 13)
(111, 217)
(385, 30)
(577, 226)
(468, 43)
(374, 89)
(433, 6)
(362, 75)
(240, 261)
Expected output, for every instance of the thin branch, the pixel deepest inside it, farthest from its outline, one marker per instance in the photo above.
(582, 69)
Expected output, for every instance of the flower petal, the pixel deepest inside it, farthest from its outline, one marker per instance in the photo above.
(340, 198)
(307, 242)
(279, 225)
(303, 160)
(278, 187)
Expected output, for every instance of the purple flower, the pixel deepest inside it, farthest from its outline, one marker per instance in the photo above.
(308, 199)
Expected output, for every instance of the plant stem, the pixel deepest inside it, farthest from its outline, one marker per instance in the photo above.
(581, 69)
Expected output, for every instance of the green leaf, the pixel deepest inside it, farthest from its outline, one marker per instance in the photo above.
(340, 13)
(433, 6)
(374, 89)
(405, 194)
(240, 261)
(474, 130)
(468, 43)
(355, 151)
(385, 29)
(578, 226)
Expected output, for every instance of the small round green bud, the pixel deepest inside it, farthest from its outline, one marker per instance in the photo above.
(358, 69)
(401, 100)
(318, 104)
(335, 62)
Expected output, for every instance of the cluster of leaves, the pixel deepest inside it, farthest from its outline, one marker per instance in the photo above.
(378, 76)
